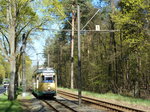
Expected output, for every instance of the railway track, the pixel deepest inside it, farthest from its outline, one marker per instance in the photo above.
(58, 106)
(103, 104)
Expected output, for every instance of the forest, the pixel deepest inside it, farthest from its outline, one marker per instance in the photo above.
(114, 59)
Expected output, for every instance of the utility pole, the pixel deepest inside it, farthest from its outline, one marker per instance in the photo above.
(37, 58)
(23, 66)
(79, 58)
(37, 61)
(79, 50)
(48, 59)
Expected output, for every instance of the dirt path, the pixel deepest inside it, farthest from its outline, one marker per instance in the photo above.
(31, 104)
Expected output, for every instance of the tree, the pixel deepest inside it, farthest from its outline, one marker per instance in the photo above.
(132, 19)
(20, 19)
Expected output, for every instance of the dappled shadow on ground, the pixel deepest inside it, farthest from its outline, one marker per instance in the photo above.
(9, 106)
(31, 105)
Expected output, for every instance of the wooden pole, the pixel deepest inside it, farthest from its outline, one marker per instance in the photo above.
(79, 58)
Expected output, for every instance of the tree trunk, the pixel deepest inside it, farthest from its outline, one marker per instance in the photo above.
(11, 30)
(72, 48)
(11, 93)
(16, 78)
(113, 43)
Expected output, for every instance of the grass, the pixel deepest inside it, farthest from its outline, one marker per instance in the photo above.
(28, 96)
(13, 106)
(111, 96)
(9, 106)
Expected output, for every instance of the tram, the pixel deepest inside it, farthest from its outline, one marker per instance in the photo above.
(44, 82)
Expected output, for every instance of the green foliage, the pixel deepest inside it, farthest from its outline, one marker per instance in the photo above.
(4, 68)
(49, 9)
(19, 91)
(9, 106)
(29, 71)
(111, 62)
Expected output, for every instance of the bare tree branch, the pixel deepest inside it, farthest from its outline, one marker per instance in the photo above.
(4, 44)
(4, 51)
(22, 28)
(6, 39)
(27, 35)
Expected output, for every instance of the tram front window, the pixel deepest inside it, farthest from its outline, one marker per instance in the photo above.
(49, 79)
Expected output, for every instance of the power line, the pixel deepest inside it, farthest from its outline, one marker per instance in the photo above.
(90, 19)
(69, 30)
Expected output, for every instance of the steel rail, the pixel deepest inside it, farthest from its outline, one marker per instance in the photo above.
(66, 106)
(50, 106)
(76, 97)
(101, 103)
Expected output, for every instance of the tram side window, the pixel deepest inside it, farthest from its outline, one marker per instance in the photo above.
(42, 78)
(37, 78)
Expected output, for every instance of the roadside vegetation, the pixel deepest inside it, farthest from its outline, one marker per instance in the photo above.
(4, 69)
(112, 96)
(15, 105)
(9, 106)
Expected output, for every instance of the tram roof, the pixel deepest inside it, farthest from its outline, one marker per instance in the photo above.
(45, 70)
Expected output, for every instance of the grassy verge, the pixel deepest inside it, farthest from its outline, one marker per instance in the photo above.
(27, 97)
(9, 106)
(111, 96)
(20, 97)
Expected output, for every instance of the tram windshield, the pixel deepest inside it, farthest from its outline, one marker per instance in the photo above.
(47, 79)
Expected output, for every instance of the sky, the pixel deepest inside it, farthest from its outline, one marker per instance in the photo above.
(39, 42)
(40, 37)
